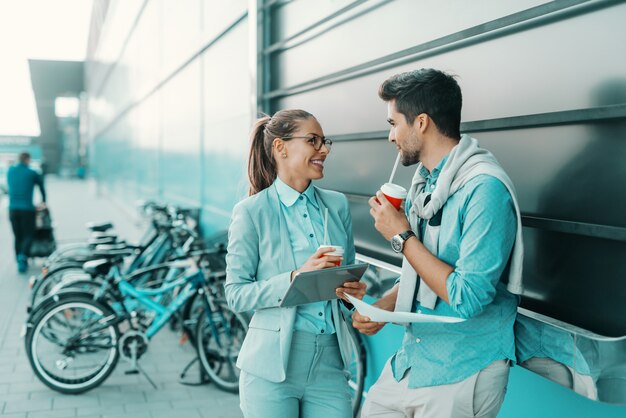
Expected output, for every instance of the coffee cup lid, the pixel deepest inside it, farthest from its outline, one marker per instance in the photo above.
(394, 190)
(338, 248)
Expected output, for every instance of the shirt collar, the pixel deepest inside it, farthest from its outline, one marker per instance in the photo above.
(288, 196)
(435, 173)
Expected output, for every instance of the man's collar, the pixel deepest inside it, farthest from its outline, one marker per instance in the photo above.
(435, 173)
(288, 195)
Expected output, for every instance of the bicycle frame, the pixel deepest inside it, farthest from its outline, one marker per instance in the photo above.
(194, 283)
(163, 313)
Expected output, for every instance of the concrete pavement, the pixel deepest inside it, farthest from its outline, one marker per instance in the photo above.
(73, 203)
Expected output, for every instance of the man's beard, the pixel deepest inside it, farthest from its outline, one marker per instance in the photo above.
(409, 157)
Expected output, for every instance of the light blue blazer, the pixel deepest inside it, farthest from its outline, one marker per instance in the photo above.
(259, 265)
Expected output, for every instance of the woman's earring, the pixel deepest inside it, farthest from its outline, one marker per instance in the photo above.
(284, 155)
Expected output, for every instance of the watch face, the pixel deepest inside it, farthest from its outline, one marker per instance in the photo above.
(396, 244)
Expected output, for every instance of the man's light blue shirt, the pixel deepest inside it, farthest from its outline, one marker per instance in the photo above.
(305, 224)
(478, 226)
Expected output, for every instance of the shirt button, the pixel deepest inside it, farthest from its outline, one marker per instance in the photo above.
(322, 331)
(301, 198)
(418, 340)
(311, 235)
(305, 215)
(320, 314)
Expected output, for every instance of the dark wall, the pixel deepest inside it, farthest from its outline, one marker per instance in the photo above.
(544, 90)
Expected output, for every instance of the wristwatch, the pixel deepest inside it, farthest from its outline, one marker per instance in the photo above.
(397, 241)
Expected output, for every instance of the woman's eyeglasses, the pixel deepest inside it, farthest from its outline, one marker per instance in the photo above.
(315, 141)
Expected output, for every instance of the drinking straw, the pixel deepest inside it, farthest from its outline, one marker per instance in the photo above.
(326, 227)
(393, 172)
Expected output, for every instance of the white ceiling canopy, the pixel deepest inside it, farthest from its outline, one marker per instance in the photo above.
(35, 29)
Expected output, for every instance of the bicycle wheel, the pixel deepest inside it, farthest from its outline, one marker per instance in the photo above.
(219, 336)
(70, 347)
(192, 310)
(357, 370)
(43, 286)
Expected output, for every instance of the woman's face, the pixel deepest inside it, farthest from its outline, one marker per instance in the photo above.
(302, 161)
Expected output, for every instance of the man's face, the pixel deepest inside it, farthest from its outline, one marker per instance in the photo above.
(403, 135)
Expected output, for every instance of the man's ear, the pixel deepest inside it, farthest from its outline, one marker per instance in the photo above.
(421, 122)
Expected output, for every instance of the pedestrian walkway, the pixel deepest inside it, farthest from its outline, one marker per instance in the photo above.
(72, 203)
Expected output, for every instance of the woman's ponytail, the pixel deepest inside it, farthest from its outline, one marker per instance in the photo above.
(261, 165)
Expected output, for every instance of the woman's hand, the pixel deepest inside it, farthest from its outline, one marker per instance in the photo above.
(356, 289)
(319, 261)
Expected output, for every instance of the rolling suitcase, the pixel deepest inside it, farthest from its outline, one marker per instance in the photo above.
(43, 243)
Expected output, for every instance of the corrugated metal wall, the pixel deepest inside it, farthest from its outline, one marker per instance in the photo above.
(169, 103)
(544, 87)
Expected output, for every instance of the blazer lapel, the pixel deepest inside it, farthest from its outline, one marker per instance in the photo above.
(286, 262)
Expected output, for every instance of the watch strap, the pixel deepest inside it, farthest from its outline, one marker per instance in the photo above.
(407, 234)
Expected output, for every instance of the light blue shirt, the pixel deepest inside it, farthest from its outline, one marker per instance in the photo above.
(477, 233)
(305, 224)
(536, 339)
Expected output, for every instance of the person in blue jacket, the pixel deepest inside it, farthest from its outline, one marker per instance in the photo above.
(21, 181)
(292, 360)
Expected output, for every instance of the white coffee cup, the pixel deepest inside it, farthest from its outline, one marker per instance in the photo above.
(337, 252)
(395, 194)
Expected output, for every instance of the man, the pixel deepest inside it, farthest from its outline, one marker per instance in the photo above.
(21, 180)
(461, 242)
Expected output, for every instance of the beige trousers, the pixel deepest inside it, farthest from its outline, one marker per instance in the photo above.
(478, 396)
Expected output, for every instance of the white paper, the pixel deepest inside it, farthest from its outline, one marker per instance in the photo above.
(381, 315)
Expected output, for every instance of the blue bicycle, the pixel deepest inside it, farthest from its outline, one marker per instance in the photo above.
(74, 339)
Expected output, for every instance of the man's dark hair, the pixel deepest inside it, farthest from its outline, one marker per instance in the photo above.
(426, 91)
(24, 157)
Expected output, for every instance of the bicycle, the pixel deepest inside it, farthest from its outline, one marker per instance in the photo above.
(357, 370)
(74, 341)
(168, 238)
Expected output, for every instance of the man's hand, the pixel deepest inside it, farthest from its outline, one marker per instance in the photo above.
(387, 219)
(364, 325)
(356, 289)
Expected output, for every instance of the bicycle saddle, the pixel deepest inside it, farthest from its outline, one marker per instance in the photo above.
(99, 227)
(102, 240)
(117, 246)
(96, 267)
(112, 253)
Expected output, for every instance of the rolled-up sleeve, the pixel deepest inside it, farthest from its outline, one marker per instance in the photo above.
(243, 291)
(487, 236)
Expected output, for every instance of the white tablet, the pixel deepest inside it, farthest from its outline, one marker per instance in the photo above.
(314, 286)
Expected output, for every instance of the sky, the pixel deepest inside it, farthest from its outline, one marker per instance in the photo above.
(35, 29)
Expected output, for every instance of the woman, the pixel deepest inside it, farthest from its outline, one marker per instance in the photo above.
(293, 359)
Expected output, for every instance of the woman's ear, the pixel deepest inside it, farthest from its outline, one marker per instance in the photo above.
(280, 147)
(278, 144)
